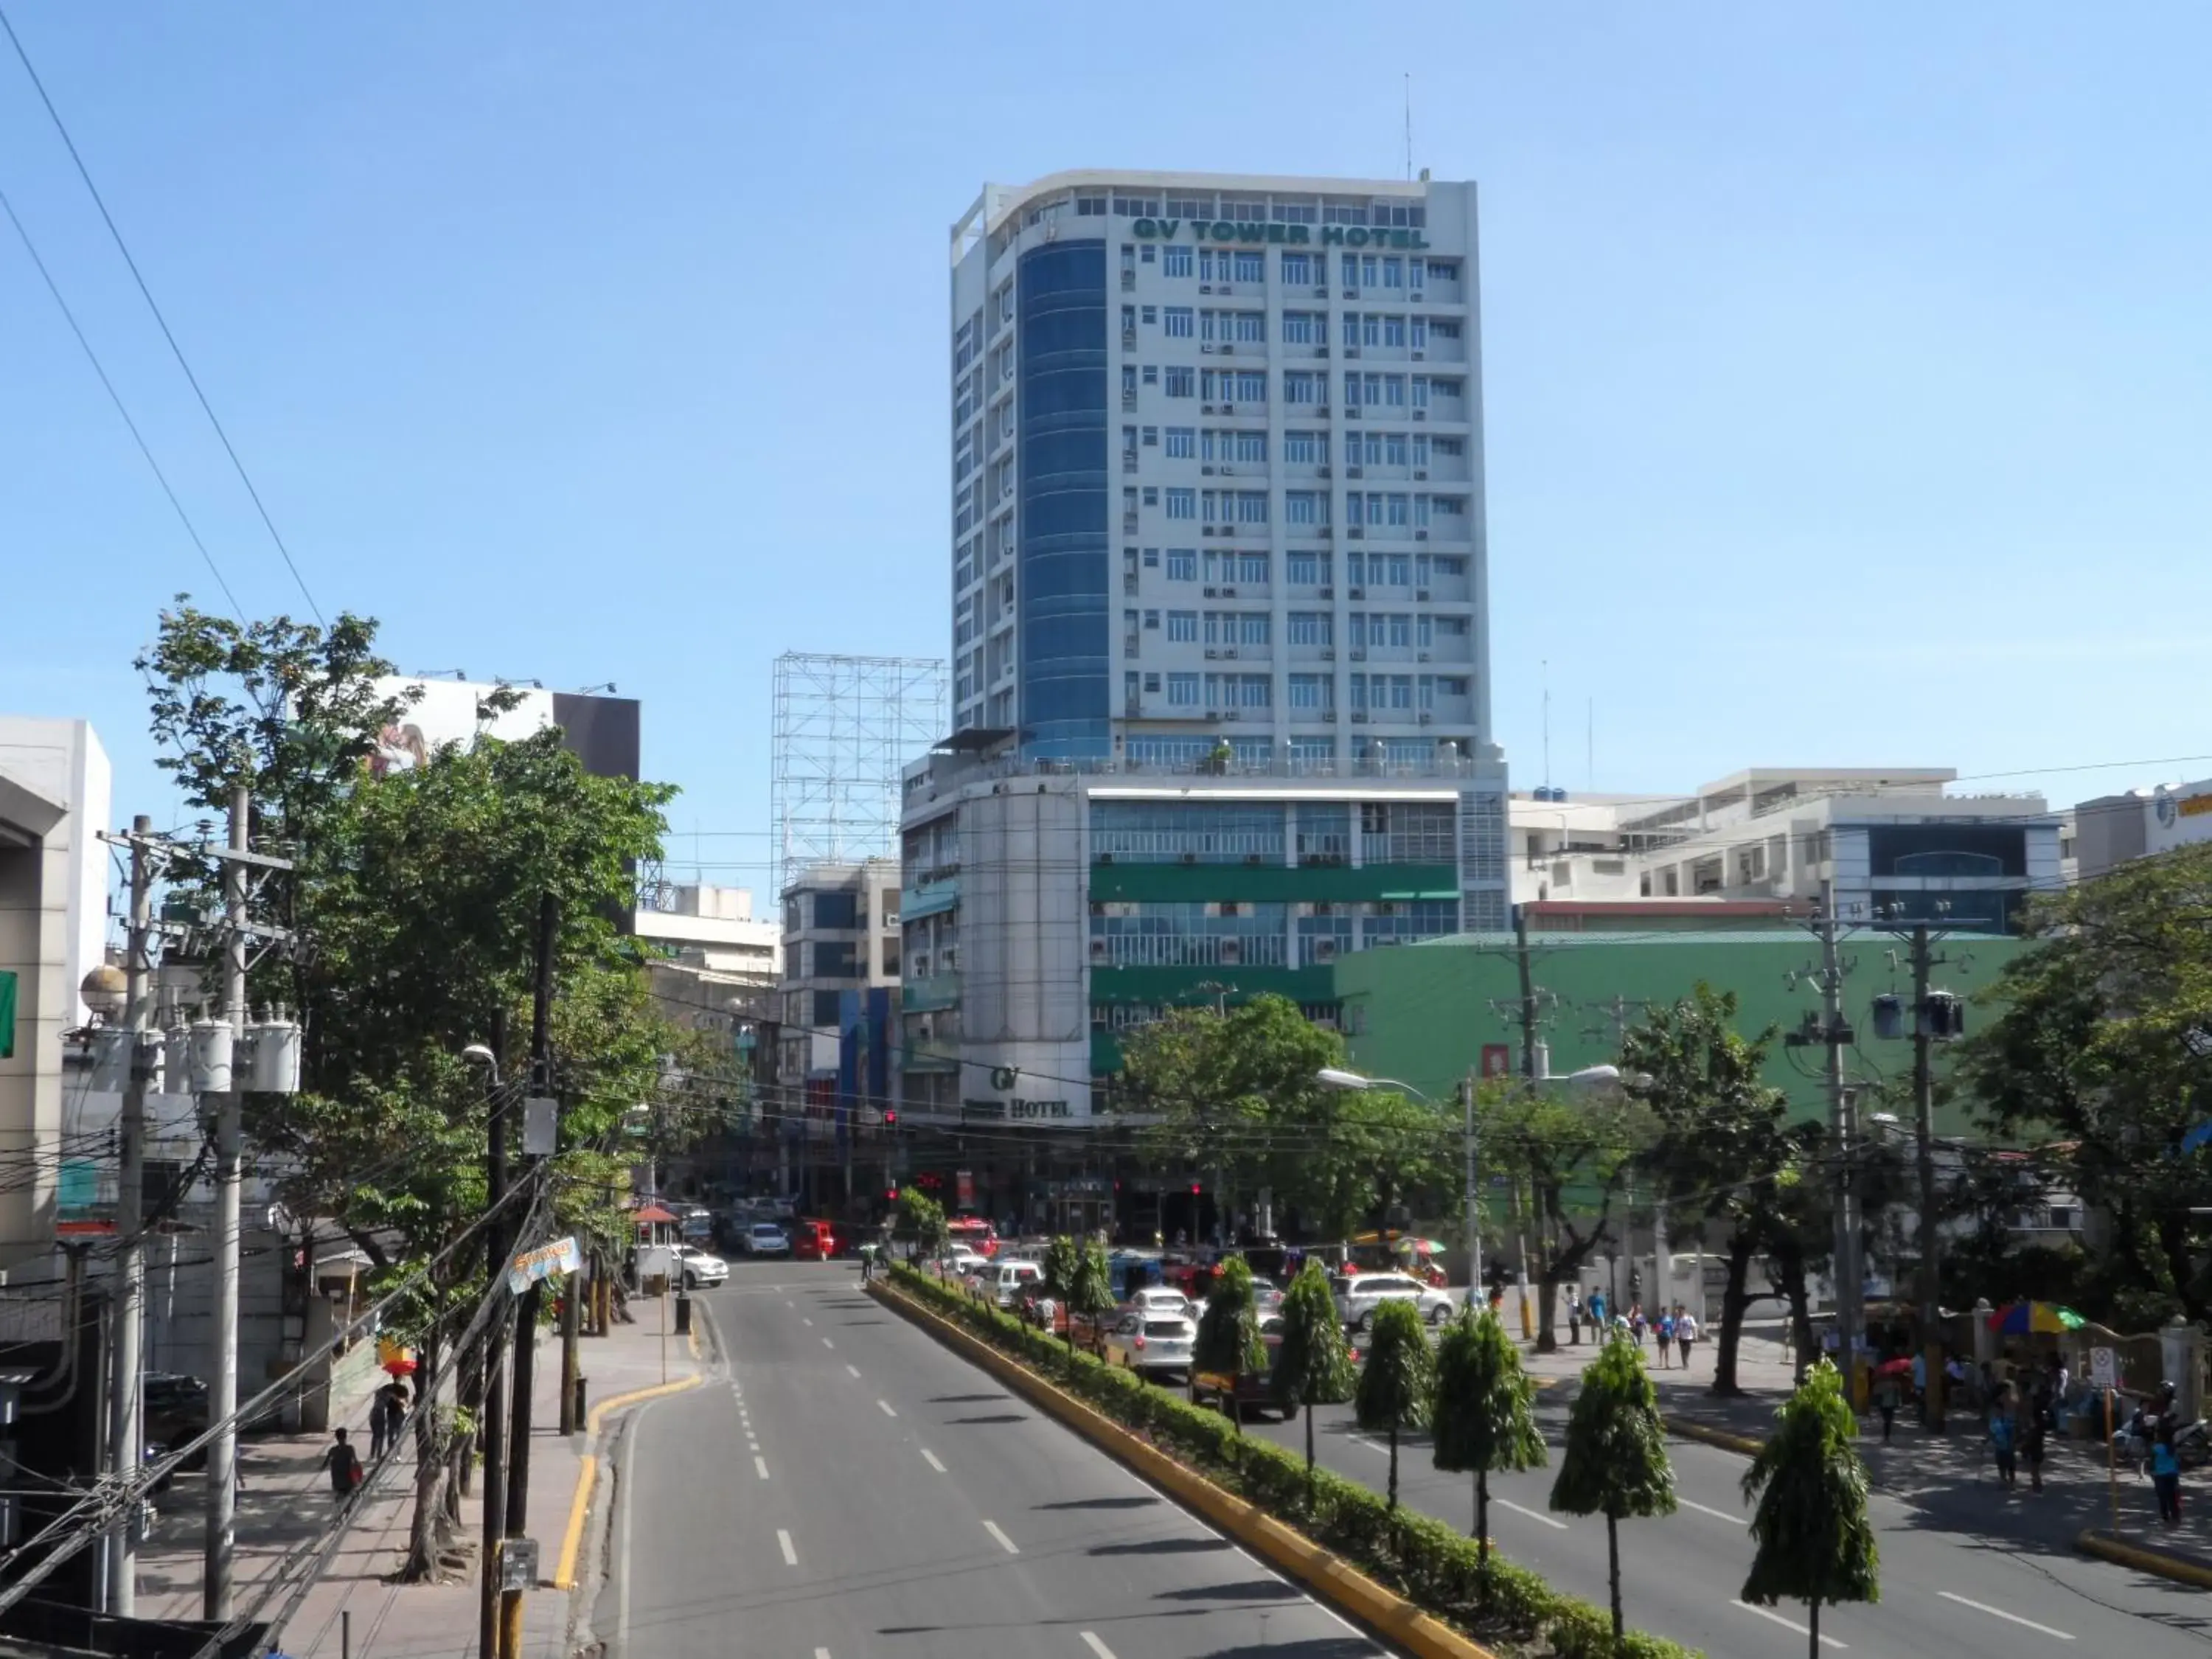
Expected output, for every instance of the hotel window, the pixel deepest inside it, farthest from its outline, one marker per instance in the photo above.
(1152, 376)
(1303, 506)
(1190, 207)
(1175, 261)
(1252, 690)
(1181, 382)
(1151, 619)
(1253, 628)
(1151, 559)
(1311, 627)
(1389, 570)
(1151, 496)
(1090, 207)
(1424, 632)
(1305, 448)
(1308, 569)
(1394, 449)
(1152, 314)
(1296, 212)
(1176, 322)
(1444, 271)
(1357, 686)
(1400, 631)
(1420, 335)
(1312, 691)
(1152, 683)
(1298, 268)
(1452, 685)
(1247, 566)
(1147, 253)
(1393, 272)
(1252, 446)
(1182, 690)
(1182, 443)
(1450, 564)
(1182, 564)
(1251, 327)
(1301, 388)
(1183, 504)
(1394, 331)
(1298, 328)
(1183, 627)
(1349, 266)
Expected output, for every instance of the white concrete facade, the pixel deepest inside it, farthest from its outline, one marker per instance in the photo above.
(1218, 469)
(1879, 836)
(714, 928)
(63, 760)
(2112, 829)
(841, 933)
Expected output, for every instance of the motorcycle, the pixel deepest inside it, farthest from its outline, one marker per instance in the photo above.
(2192, 1444)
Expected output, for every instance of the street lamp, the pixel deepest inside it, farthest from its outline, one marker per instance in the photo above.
(1332, 1076)
(476, 1053)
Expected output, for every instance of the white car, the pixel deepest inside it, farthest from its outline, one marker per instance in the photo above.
(699, 1266)
(766, 1238)
(1151, 1342)
(1358, 1295)
(1158, 1298)
(1008, 1279)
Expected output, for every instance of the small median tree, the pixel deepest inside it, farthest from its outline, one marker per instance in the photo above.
(1228, 1335)
(1063, 1263)
(1091, 1297)
(1484, 1417)
(1814, 1540)
(1395, 1384)
(921, 1222)
(1616, 1458)
(1312, 1365)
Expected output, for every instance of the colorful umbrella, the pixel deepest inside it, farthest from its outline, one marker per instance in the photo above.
(2031, 1318)
(1895, 1368)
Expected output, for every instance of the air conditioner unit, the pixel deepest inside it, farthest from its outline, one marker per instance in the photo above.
(1228, 409)
(1207, 410)
(1226, 288)
(1324, 532)
(1322, 293)
(1351, 351)
(1211, 714)
(1211, 652)
(1359, 656)
(1358, 532)
(1232, 715)
(1320, 472)
(1328, 592)
(1353, 413)
(1205, 288)
(1417, 296)
(1355, 592)
(1232, 953)
(1421, 535)
(1320, 351)
(1206, 350)
(1420, 592)
(1322, 411)
(1420, 472)
(1420, 414)
(1228, 593)
(1420, 356)
(1228, 650)
(1351, 294)
(1228, 350)
(1227, 470)
(1355, 471)
(1328, 715)
(1097, 950)
(1422, 656)
(1212, 592)
(1324, 950)
(1359, 717)
(1328, 654)
(1206, 471)
(1428, 720)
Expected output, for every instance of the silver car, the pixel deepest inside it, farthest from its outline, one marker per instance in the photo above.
(1358, 1295)
(1152, 1343)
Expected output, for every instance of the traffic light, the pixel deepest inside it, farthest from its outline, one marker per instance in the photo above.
(1636, 1281)
(1194, 1189)
(890, 1118)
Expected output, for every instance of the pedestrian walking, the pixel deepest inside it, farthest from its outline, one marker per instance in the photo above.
(343, 1464)
(2166, 1471)
(1886, 1392)
(1685, 1333)
(1666, 1339)
(2004, 1432)
(1637, 1323)
(1575, 1315)
(380, 1437)
(2031, 1433)
(1597, 1314)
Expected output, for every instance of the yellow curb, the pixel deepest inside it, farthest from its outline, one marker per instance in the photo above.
(572, 1536)
(1383, 1611)
(2154, 1562)
(1689, 1430)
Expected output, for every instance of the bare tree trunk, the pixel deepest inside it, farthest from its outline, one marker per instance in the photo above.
(1813, 1642)
(1735, 1297)
(1613, 1569)
(428, 1536)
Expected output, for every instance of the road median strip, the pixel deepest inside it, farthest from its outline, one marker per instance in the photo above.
(1690, 1428)
(1332, 1535)
(2143, 1558)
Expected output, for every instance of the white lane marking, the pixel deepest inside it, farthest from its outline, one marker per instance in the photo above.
(804, 1321)
(992, 1526)
(827, 1343)
(821, 1653)
(886, 1406)
(760, 1467)
(855, 1371)
(1786, 1624)
(1534, 1515)
(1089, 1640)
(930, 1458)
(621, 1547)
(787, 1302)
(1999, 1612)
(1717, 1514)
(783, 1542)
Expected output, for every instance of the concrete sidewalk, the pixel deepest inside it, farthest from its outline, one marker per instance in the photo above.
(286, 1499)
(1949, 1477)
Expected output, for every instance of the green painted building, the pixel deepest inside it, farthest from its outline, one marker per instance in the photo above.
(1425, 1012)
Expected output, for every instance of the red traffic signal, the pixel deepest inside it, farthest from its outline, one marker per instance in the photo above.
(890, 1119)
(1194, 1189)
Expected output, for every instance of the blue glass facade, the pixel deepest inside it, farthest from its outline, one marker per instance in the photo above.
(1063, 557)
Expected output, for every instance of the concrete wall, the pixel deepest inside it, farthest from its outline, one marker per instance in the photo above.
(34, 946)
(1024, 933)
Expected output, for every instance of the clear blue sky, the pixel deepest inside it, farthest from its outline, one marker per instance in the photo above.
(1848, 378)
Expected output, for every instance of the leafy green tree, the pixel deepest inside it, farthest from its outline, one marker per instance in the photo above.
(1616, 1456)
(1063, 1266)
(1813, 1539)
(1398, 1379)
(1091, 1297)
(1313, 1367)
(1229, 1333)
(2094, 1054)
(1484, 1415)
(922, 1224)
(1722, 1141)
(1576, 1156)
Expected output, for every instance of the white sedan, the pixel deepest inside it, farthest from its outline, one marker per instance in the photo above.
(1158, 1298)
(766, 1238)
(699, 1266)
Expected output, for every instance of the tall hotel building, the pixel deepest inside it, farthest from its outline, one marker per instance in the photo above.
(1219, 592)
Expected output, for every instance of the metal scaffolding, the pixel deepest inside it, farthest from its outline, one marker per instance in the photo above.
(844, 726)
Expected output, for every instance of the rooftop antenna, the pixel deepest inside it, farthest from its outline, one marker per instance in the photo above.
(1409, 126)
(1590, 741)
(1548, 722)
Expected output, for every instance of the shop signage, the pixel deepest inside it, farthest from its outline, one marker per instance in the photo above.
(1252, 230)
(1019, 1109)
(560, 1256)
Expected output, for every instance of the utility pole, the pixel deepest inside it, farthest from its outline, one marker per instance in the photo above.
(1843, 1117)
(126, 1370)
(1473, 1221)
(222, 1395)
(1924, 1105)
(525, 1318)
(490, 1436)
(1528, 995)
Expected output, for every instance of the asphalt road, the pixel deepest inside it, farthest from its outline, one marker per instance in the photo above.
(1945, 1591)
(845, 1488)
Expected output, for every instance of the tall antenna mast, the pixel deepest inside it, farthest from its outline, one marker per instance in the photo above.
(1548, 722)
(1409, 126)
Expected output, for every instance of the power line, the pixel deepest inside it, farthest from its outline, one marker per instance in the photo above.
(147, 293)
(116, 397)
